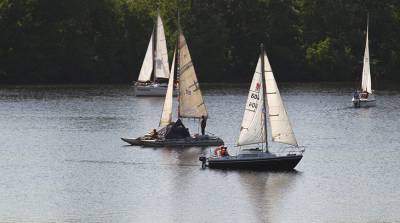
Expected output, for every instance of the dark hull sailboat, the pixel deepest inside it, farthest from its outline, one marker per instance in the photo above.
(253, 130)
(278, 163)
(190, 105)
(175, 134)
(199, 141)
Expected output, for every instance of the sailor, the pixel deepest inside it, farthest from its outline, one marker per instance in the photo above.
(203, 124)
(226, 151)
(223, 151)
(356, 96)
(154, 134)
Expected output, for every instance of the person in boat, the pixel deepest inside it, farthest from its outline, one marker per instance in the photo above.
(203, 124)
(154, 134)
(356, 95)
(224, 151)
(364, 94)
(221, 151)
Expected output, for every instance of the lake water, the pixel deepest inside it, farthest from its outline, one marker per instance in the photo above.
(62, 160)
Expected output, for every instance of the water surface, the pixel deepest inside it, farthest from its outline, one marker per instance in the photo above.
(62, 159)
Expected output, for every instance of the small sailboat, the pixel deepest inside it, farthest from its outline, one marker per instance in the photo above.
(253, 130)
(365, 96)
(190, 105)
(155, 62)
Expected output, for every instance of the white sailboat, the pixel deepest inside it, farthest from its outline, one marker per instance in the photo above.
(253, 130)
(190, 105)
(155, 62)
(365, 97)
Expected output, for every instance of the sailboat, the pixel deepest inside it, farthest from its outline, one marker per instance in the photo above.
(155, 62)
(253, 129)
(365, 96)
(190, 105)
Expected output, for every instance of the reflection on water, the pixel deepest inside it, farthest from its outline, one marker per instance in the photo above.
(62, 159)
(266, 191)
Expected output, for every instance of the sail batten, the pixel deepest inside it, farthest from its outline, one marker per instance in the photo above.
(366, 73)
(166, 116)
(191, 103)
(147, 66)
(161, 54)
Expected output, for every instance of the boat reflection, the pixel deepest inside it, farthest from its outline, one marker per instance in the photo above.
(266, 191)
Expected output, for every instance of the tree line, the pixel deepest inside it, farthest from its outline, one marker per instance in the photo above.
(104, 41)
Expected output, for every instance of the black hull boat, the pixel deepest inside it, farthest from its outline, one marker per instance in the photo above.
(254, 160)
(133, 142)
(175, 134)
(254, 128)
(280, 163)
(196, 141)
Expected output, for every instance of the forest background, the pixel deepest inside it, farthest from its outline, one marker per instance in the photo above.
(104, 41)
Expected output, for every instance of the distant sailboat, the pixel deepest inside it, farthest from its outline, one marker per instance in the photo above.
(254, 128)
(155, 62)
(365, 97)
(190, 105)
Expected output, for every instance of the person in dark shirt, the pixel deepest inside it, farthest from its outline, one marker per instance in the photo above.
(356, 96)
(203, 124)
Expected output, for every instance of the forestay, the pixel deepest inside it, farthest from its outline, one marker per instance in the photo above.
(281, 130)
(147, 66)
(162, 66)
(252, 128)
(366, 74)
(166, 116)
(191, 103)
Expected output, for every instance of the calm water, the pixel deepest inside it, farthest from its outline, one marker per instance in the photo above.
(62, 160)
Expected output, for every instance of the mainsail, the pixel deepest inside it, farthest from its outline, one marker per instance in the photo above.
(366, 74)
(161, 66)
(191, 103)
(166, 116)
(281, 130)
(147, 66)
(252, 128)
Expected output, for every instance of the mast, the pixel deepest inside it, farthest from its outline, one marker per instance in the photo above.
(178, 67)
(264, 93)
(155, 48)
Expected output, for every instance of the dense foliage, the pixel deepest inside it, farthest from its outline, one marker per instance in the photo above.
(104, 41)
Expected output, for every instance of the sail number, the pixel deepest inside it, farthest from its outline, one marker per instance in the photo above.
(255, 96)
(253, 105)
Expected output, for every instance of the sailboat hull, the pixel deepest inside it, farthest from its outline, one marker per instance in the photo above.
(133, 142)
(364, 102)
(201, 141)
(152, 90)
(279, 163)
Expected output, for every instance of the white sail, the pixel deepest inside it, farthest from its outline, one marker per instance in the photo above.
(281, 130)
(166, 116)
(252, 128)
(366, 74)
(147, 66)
(191, 103)
(162, 66)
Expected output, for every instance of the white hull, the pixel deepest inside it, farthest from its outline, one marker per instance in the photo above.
(153, 90)
(364, 102)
